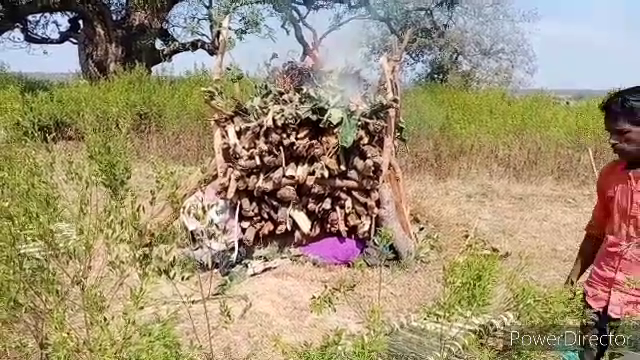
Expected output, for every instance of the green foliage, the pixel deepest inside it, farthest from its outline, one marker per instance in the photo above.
(24, 84)
(469, 284)
(109, 153)
(494, 116)
(328, 298)
(457, 41)
(454, 131)
(134, 102)
(537, 306)
(74, 271)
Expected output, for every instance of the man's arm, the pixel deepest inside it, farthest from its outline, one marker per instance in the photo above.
(595, 229)
(587, 253)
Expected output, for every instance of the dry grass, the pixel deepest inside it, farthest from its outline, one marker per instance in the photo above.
(278, 305)
(540, 222)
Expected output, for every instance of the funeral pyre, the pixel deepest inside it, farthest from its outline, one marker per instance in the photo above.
(301, 159)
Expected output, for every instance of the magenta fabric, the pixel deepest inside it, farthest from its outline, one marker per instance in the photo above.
(334, 250)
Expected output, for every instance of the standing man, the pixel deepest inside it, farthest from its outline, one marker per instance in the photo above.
(612, 239)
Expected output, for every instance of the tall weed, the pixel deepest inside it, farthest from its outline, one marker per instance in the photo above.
(74, 266)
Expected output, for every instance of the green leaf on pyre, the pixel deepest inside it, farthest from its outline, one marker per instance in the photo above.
(348, 132)
(335, 116)
(401, 132)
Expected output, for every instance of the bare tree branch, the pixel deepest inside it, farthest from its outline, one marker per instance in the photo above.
(64, 36)
(302, 19)
(377, 17)
(298, 33)
(192, 46)
(296, 19)
(174, 47)
(14, 13)
(339, 25)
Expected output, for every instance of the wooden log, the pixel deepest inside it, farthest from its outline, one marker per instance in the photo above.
(402, 206)
(388, 218)
(302, 220)
(393, 212)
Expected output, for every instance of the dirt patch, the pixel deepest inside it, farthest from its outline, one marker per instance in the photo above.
(277, 304)
(539, 223)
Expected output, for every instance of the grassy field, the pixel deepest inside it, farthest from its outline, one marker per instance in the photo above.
(450, 130)
(88, 154)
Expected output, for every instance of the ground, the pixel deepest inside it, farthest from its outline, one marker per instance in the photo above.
(540, 223)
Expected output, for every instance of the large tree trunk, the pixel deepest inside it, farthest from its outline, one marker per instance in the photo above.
(100, 52)
(106, 42)
(104, 49)
(106, 45)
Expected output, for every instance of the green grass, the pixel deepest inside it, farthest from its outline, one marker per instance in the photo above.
(455, 132)
(452, 131)
(60, 301)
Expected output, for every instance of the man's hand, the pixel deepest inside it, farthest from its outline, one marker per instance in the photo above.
(587, 253)
(569, 283)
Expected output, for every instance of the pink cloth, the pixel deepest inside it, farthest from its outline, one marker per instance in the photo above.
(334, 250)
(615, 276)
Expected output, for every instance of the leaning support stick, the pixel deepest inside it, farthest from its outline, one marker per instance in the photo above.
(394, 205)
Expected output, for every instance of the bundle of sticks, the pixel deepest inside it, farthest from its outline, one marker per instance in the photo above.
(297, 161)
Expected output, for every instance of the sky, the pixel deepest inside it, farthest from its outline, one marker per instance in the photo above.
(579, 44)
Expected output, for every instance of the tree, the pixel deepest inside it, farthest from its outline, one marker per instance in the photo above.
(112, 34)
(294, 17)
(473, 42)
(428, 19)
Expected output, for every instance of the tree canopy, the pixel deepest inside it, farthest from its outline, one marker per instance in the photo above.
(475, 41)
(123, 33)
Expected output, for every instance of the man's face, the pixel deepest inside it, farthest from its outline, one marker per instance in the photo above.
(624, 138)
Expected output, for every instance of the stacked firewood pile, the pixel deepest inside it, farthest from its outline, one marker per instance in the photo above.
(301, 159)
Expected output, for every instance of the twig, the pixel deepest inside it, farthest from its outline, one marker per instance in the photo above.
(206, 313)
(387, 148)
(593, 163)
(398, 181)
(189, 314)
(389, 67)
(340, 24)
(236, 234)
(392, 175)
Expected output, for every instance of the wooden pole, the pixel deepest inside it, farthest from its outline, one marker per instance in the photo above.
(394, 212)
(223, 36)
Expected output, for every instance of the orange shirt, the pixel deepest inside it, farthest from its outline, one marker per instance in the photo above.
(615, 276)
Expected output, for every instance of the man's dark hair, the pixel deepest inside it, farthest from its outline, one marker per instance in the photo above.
(623, 103)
